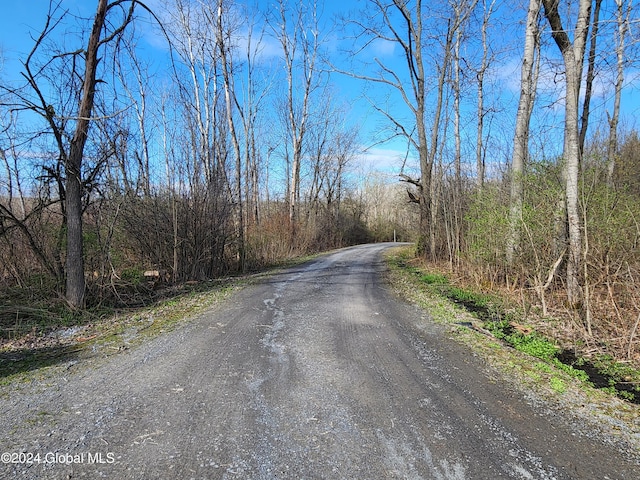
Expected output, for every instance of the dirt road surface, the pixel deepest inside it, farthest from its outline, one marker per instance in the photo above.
(316, 373)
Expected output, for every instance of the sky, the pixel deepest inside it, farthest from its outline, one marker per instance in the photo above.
(21, 20)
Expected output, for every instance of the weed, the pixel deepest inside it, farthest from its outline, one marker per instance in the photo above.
(543, 367)
(620, 371)
(434, 279)
(626, 395)
(557, 385)
(533, 344)
(536, 377)
(571, 370)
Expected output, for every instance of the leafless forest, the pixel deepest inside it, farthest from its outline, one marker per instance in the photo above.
(236, 151)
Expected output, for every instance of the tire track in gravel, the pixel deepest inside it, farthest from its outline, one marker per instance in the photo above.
(318, 372)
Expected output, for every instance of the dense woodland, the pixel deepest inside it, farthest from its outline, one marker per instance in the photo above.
(235, 158)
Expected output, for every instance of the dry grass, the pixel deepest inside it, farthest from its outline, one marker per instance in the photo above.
(615, 329)
(595, 410)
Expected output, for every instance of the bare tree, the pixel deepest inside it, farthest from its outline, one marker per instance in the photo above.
(590, 75)
(26, 208)
(223, 32)
(461, 13)
(70, 133)
(140, 98)
(254, 91)
(297, 31)
(75, 282)
(528, 83)
(332, 146)
(410, 34)
(573, 53)
(489, 7)
(622, 23)
(195, 45)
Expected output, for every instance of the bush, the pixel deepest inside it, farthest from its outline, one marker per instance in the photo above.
(488, 226)
(132, 275)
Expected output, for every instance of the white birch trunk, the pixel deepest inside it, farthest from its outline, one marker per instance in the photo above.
(528, 81)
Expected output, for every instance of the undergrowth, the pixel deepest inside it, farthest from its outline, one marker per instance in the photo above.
(504, 322)
(50, 334)
(37, 331)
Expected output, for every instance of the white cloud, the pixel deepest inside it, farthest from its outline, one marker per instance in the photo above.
(509, 74)
(263, 48)
(550, 77)
(385, 160)
(381, 48)
(551, 80)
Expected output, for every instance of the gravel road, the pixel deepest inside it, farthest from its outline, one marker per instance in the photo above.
(316, 372)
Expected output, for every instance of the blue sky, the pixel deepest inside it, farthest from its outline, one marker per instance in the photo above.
(20, 19)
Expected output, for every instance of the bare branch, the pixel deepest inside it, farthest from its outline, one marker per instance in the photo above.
(408, 179)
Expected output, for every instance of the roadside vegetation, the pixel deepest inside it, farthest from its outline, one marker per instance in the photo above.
(53, 336)
(494, 327)
(49, 334)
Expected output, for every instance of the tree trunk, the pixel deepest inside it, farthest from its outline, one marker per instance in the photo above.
(591, 65)
(298, 99)
(222, 37)
(75, 281)
(573, 58)
(572, 173)
(457, 189)
(528, 82)
(622, 21)
(435, 133)
(484, 65)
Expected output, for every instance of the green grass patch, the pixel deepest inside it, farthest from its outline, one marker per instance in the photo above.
(601, 372)
(534, 345)
(543, 367)
(434, 279)
(557, 385)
